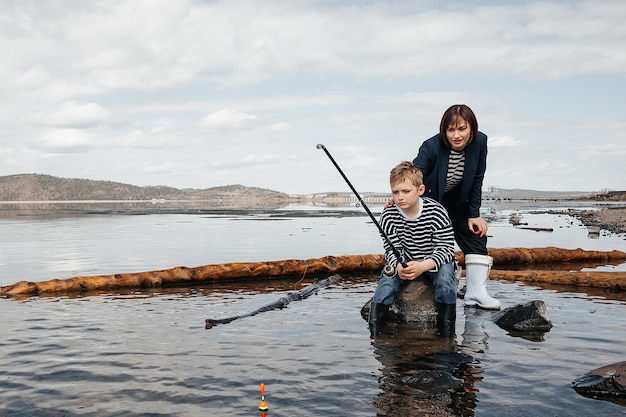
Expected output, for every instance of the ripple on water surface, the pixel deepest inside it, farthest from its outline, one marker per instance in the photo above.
(149, 354)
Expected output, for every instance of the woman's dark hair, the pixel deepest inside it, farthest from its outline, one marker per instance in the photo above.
(452, 116)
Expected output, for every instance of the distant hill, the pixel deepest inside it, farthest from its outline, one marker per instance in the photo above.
(39, 187)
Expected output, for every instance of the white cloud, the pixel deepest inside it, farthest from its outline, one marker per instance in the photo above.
(504, 142)
(71, 114)
(240, 161)
(67, 141)
(37, 76)
(107, 84)
(262, 159)
(140, 139)
(150, 45)
(609, 148)
(280, 127)
(227, 119)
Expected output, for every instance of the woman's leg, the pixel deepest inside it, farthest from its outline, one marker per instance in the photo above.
(468, 242)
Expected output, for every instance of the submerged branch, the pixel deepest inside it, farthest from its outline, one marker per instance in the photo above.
(281, 303)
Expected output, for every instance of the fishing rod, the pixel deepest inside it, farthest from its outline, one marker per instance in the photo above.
(380, 229)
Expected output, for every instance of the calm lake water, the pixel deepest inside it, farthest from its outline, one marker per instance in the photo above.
(147, 353)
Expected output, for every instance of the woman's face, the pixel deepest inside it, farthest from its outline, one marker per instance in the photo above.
(458, 134)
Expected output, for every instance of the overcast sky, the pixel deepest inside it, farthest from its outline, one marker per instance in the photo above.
(197, 94)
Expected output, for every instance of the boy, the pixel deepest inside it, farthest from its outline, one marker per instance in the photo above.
(420, 230)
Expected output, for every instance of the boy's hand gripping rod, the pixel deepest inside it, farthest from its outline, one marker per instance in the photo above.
(380, 229)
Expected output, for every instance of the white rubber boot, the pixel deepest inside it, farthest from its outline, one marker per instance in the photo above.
(477, 269)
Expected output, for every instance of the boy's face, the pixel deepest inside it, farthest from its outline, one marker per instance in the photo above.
(406, 195)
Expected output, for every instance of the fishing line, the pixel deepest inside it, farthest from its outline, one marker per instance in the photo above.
(301, 279)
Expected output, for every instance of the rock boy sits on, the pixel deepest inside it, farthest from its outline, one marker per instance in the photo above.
(419, 228)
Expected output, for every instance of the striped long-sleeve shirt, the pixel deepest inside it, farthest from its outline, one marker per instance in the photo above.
(456, 165)
(428, 235)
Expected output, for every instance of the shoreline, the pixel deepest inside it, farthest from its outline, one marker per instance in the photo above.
(612, 219)
(609, 218)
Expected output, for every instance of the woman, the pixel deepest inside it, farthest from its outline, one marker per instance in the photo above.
(453, 163)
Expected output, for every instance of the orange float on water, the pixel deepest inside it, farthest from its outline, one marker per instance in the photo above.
(263, 405)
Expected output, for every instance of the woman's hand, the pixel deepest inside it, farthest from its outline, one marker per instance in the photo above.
(389, 203)
(478, 226)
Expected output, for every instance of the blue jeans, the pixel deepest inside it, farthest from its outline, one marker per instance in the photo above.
(443, 280)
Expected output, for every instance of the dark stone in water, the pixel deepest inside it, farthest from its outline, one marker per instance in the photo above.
(415, 303)
(529, 317)
(605, 383)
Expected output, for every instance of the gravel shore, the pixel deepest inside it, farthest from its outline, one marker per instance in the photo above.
(612, 219)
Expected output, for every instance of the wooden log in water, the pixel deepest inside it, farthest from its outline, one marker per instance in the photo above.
(252, 270)
(537, 229)
(206, 273)
(550, 254)
(596, 279)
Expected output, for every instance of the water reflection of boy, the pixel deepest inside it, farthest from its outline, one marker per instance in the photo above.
(421, 230)
(422, 373)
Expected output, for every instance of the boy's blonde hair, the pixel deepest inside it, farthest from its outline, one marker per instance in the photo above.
(406, 171)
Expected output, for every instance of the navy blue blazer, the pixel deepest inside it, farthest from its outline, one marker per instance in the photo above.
(432, 159)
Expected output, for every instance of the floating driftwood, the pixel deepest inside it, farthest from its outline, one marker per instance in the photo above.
(538, 229)
(550, 254)
(596, 279)
(281, 303)
(201, 274)
(253, 270)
